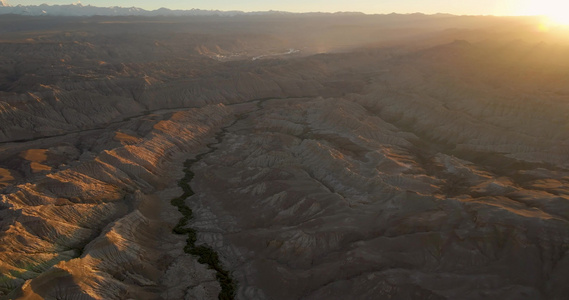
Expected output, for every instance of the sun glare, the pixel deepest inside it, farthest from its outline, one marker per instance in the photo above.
(556, 11)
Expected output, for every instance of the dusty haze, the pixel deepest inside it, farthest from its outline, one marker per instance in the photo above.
(283, 156)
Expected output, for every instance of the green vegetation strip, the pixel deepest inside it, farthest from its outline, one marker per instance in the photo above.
(205, 254)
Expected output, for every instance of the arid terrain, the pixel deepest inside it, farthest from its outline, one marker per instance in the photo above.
(283, 156)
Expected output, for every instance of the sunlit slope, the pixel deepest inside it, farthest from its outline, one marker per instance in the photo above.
(446, 178)
(424, 158)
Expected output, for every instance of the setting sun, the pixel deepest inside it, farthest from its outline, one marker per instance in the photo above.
(298, 149)
(556, 11)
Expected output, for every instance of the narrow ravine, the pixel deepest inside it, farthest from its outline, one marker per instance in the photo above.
(205, 254)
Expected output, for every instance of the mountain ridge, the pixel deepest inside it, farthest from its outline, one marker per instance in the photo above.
(78, 9)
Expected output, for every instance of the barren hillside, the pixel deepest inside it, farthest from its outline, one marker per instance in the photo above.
(283, 156)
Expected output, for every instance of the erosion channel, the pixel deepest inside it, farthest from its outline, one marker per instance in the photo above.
(205, 253)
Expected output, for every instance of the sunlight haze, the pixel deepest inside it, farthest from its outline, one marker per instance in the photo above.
(283, 150)
(470, 7)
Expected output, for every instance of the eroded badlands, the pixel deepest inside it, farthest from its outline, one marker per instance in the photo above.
(369, 165)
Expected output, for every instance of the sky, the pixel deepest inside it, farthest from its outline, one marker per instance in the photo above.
(461, 7)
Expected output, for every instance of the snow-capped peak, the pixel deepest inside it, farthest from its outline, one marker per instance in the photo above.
(4, 3)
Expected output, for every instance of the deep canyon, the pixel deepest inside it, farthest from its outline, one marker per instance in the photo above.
(283, 156)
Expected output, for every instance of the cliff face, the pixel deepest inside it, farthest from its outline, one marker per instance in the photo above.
(407, 169)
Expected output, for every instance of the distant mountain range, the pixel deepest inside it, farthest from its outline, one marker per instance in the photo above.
(79, 9)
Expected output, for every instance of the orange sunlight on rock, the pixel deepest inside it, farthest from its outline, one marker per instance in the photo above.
(5, 177)
(126, 139)
(37, 167)
(35, 155)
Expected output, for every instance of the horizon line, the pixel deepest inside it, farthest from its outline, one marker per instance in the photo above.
(79, 4)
